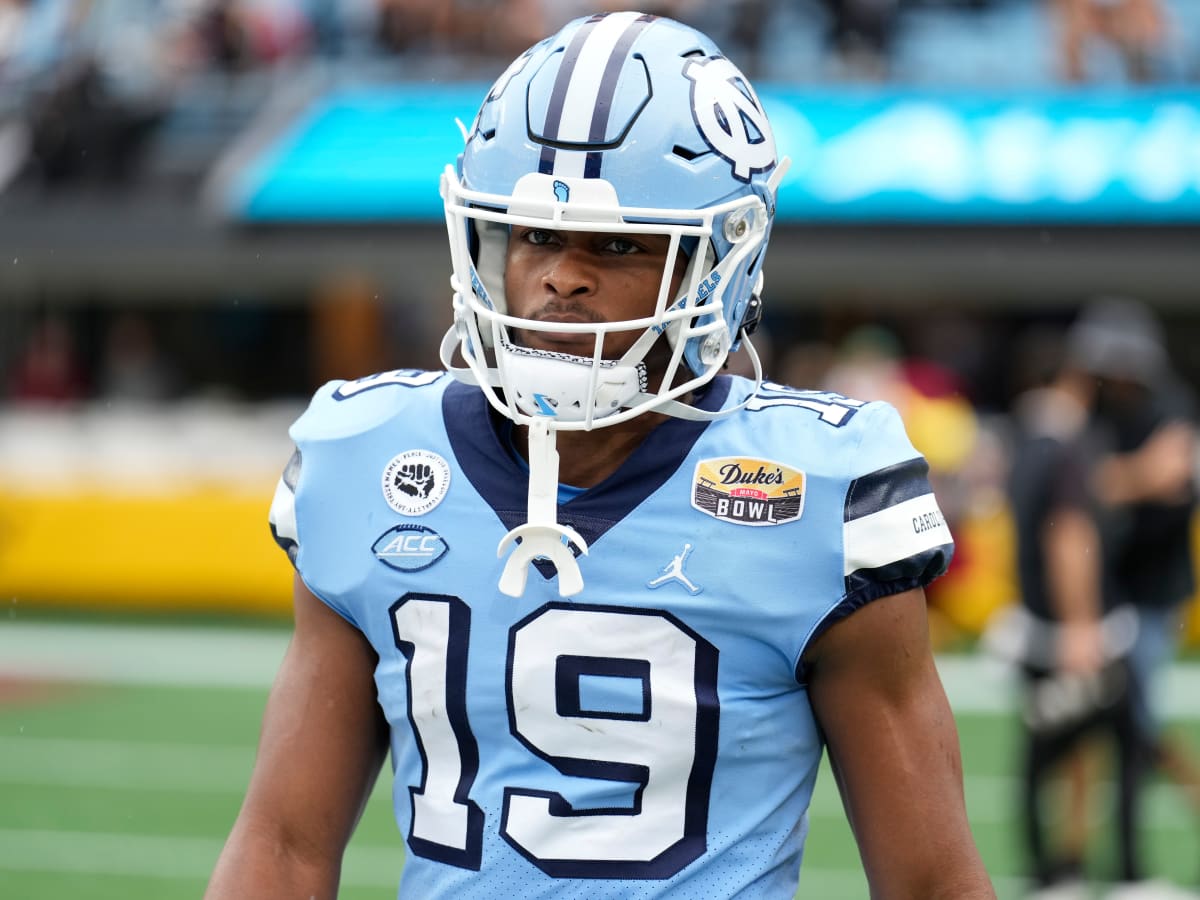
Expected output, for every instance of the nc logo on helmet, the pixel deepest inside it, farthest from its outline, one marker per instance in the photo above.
(729, 116)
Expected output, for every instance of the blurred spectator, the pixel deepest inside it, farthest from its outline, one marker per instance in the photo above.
(1134, 28)
(133, 366)
(860, 36)
(82, 130)
(238, 35)
(507, 27)
(408, 24)
(1074, 670)
(49, 369)
(13, 14)
(224, 36)
(1147, 485)
(101, 77)
(803, 363)
(509, 30)
(869, 366)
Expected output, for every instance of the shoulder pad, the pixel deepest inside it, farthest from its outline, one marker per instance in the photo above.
(342, 408)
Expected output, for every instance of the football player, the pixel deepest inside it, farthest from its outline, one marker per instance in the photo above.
(604, 605)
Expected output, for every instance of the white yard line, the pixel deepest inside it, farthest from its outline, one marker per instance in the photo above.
(125, 765)
(976, 683)
(160, 856)
(235, 657)
(184, 858)
(172, 655)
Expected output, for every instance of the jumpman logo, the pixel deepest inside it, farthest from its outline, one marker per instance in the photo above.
(673, 571)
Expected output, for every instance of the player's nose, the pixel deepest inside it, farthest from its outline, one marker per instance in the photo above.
(571, 273)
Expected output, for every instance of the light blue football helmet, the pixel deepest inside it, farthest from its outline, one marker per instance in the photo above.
(620, 123)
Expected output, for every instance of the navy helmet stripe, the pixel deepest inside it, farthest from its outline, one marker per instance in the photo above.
(559, 95)
(581, 98)
(608, 90)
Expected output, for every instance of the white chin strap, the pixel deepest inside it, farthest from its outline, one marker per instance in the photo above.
(542, 537)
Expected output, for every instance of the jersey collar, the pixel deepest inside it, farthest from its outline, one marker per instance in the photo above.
(502, 481)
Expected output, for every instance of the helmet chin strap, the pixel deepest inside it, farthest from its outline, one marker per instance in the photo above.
(542, 536)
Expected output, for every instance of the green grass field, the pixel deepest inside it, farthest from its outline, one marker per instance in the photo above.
(124, 751)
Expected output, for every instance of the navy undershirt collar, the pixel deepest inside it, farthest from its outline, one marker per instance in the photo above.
(503, 482)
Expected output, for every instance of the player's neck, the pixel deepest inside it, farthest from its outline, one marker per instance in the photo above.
(588, 457)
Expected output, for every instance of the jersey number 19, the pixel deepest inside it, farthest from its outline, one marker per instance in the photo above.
(663, 745)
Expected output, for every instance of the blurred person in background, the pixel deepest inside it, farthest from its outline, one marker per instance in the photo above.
(489, 28)
(1068, 638)
(49, 369)
(13, 15)
(101, 78)
(1146, 484)
(405, 25)
(1134, 28)
(656, 728)
(860, 34)
(133, 367)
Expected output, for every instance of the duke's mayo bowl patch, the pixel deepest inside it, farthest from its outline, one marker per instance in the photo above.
(415, 481)
(748, 491)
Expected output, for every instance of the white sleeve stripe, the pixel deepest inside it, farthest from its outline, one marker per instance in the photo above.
(283, 513)
(894, 534)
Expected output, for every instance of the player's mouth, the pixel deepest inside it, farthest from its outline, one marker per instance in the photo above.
(579, 343)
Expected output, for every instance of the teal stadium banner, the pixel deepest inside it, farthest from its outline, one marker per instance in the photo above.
(859, 157)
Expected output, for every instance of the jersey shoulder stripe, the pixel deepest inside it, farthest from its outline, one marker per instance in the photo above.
(893, 531)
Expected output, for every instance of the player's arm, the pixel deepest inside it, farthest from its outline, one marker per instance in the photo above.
(1071, 545)
(1159, 471)
(894, 748)
(323, 742)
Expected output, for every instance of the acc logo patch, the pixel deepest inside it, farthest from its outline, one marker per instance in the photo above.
(748, 491)
(415, 481)
(410, 548)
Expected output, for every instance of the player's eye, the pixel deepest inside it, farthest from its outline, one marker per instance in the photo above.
(538, 236)
(622, 246)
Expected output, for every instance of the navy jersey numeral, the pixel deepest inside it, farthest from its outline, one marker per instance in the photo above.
(403, 377)
(660, 745)
(832, 409)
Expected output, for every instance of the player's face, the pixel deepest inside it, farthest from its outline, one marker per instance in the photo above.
(571, 276)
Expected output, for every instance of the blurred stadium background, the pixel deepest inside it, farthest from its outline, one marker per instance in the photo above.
(209, 207)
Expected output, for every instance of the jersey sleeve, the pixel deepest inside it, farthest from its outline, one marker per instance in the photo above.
(285, 524)
(894, 537)
(282, 516)
(319, 493)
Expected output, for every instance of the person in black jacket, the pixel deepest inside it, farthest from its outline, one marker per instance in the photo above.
(1068, 638)
(1145, 482)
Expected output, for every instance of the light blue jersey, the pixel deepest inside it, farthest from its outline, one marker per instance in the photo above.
(652, 736)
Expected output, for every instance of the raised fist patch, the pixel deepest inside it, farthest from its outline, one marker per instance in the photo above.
(415, 481)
